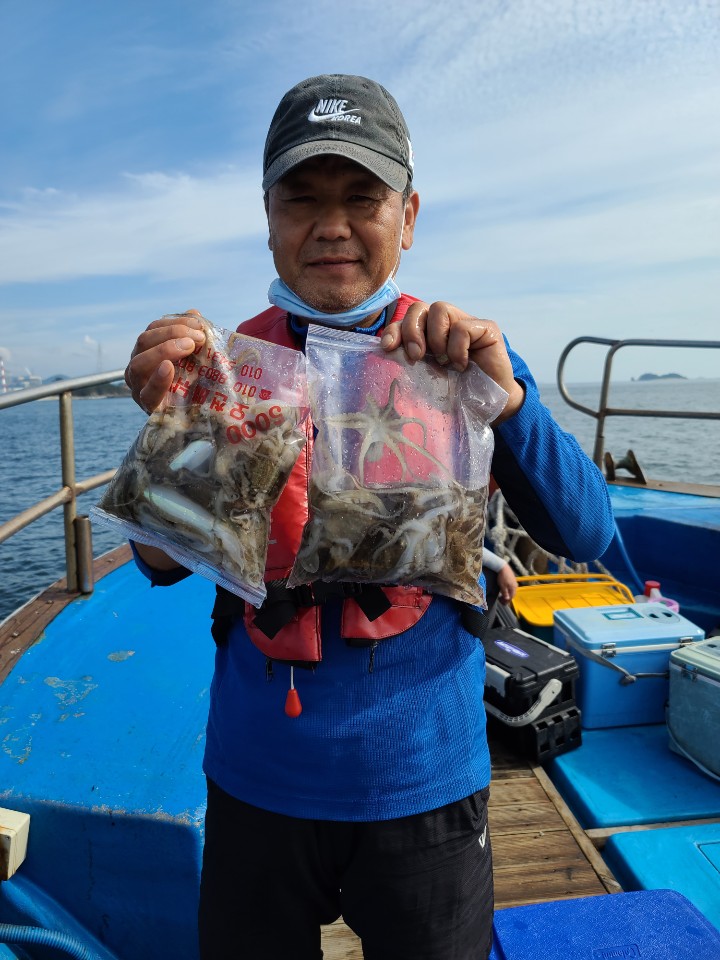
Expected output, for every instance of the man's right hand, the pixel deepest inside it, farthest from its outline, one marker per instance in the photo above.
(165, 341)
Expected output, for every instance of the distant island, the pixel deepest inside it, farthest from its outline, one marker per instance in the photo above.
(661, 376)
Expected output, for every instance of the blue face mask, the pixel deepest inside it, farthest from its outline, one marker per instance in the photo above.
(282, 296)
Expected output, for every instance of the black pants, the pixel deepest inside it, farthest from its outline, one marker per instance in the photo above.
(418, 887)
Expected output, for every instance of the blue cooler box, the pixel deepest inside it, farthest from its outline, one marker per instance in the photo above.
(648, 925)
(614, 647)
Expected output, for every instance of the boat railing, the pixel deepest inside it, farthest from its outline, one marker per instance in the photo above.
(77, 529)
(603, 410)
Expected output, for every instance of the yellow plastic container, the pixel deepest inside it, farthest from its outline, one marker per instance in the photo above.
(539, 596)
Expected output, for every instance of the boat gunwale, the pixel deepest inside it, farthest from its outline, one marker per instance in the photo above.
(25, 626)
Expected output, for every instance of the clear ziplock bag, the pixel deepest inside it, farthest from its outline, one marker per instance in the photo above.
(400, 468)
(203, 474)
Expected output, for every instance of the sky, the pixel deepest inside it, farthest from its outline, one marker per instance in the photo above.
(567, 157)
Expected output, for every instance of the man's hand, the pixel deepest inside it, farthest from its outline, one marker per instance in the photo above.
(507, 584)
(150, 371)
(453, 336)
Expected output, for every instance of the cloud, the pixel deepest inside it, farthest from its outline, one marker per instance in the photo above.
(150, 224)
(567, 158)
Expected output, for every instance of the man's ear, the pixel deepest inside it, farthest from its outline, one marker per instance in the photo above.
(266, 202)
(412, 207)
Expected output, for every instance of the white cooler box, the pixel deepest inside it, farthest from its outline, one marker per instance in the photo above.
(693, 716)
(623, 653)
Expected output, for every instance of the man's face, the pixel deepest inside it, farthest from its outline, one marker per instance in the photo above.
(336, 231)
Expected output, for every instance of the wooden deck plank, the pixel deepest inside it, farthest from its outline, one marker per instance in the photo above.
(523, 818)
(539, 847)
(540, 883)
(340, 943)
(517, 790)
(594, 859)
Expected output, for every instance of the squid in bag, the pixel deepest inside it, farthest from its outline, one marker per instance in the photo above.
(400, 468)
(203, 474)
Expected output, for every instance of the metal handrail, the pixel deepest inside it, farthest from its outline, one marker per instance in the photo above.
(604, 410)
(78, 536)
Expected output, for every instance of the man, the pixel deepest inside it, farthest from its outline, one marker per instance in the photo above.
(373, 802)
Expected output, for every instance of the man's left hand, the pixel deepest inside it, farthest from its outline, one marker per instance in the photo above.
(454, 337)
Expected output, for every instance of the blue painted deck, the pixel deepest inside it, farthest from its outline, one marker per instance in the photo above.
(686, 859)
(673, 538)
(102, 729)
(623, 776)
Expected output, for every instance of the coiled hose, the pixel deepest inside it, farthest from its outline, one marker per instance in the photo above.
(19, 934)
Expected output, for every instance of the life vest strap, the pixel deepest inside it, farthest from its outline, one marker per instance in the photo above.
(282, 602)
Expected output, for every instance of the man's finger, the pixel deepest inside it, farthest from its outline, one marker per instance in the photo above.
(155, 390)
(464, 337)
(391, 337)
(183, 339)
(190, 318)
(414, 324)
(408, 332)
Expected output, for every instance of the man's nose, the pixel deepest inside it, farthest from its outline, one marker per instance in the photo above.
(332, 223)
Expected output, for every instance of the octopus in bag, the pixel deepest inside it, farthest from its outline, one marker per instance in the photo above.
(421, 536)
(425, 530)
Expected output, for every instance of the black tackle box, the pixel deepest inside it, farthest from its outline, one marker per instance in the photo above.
(530, 694)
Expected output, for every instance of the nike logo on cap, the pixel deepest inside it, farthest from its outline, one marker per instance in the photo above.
(333, 109)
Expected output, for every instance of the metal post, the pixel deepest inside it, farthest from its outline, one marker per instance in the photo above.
(83, 541)
(599, 449)
(67, 456)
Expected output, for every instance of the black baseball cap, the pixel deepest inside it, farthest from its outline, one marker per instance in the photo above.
(341, 114)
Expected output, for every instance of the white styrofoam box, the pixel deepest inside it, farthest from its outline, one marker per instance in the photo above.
(14, 828)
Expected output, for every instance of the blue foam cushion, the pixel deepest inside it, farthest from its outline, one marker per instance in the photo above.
(628, 776)
(650, 924)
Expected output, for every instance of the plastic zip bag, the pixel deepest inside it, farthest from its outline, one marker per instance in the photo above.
(400, 468)
(204, 472)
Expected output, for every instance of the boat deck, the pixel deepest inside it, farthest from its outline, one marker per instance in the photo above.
(540, 852)
(23, 628)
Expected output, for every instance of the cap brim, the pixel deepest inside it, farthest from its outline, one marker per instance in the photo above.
(393, 174)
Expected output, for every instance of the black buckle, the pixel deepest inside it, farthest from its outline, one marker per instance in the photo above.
(303, 595)
(283, 602)
(351, 588)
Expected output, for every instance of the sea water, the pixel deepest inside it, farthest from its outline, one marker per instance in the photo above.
(30, 471)
(681, 450)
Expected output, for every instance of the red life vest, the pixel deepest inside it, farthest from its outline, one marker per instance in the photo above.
(300, 638)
